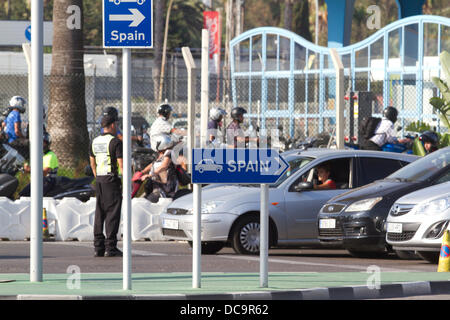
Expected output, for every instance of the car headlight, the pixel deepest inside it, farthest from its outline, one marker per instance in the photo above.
(433, 207)
(209, 206)
(363, 205)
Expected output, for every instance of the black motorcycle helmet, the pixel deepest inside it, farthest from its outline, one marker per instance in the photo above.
(237, 112)
(430, 137)
(391, 113)
(165, 110)
(112, 112)
(47, 138)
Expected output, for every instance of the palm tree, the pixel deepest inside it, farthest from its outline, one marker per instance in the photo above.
(67, 109)
(288, 14)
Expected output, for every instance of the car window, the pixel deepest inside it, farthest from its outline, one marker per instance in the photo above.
(445, 177)
(294, 166)
(339, 173)
(424, 168)
(371, 169)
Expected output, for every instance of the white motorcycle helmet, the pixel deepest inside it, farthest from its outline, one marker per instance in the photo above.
(18, 102)
(163, 142)
(216, 113)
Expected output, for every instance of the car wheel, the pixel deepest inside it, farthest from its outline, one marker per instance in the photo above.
(367, 254)
(210, 247)
(245, 235)
(406, 255)
(200, 170)
(430, 256)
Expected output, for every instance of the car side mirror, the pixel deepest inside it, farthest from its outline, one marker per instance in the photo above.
(304, 186)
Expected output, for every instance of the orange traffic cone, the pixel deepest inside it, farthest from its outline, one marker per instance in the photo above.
(444, 256)
(45, 233)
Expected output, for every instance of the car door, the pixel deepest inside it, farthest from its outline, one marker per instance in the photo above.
(302, 207)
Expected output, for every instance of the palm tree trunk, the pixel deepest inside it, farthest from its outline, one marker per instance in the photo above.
(67, 110)
(288, 14)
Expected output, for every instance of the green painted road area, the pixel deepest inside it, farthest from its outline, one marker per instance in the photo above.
(172, 284)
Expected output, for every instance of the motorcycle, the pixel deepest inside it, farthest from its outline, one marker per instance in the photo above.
(400, 147)
(11, 162)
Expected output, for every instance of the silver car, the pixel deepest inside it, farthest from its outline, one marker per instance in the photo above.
(417, 221)
(230, 213)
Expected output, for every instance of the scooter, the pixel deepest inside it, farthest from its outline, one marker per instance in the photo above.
(400, 147)
(11, 162)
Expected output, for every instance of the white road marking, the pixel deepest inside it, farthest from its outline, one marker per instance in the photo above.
(271, 260)
(133, 252)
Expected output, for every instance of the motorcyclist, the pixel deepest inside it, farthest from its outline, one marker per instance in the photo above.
(163, 180)
(114, 113)
(215, 122)
(162, 125)
(235, 135)
(49, 165)
(430, 141)
(13, 124)
(385, 132)
(13, 121)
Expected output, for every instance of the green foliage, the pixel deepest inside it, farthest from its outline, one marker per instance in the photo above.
(186, 23)
(442, 105)
(418, 126)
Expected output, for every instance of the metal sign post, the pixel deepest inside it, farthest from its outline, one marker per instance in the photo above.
(126, 25)
(37, 82)
(126, 205)
(264, 237)
(197, 192)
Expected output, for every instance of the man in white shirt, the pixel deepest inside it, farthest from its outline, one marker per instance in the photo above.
(385, 132)
(162, 125)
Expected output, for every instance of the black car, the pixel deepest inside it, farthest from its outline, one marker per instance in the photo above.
(356, 219)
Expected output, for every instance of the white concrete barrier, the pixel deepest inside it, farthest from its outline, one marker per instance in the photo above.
(70, 219)
(145, 219)
(14, 219)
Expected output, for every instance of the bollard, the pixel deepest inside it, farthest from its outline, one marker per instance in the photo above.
(45, 233)
(444, 256)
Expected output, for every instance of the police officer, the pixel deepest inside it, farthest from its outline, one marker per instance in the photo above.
(106, 159)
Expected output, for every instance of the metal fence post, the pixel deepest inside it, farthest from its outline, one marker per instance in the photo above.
(340, 103)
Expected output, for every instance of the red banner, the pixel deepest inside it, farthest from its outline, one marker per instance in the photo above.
(211, 22)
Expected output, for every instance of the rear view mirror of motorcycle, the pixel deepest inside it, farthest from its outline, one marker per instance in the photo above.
(302, 186)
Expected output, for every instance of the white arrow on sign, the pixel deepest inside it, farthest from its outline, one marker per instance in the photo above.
(136, 17)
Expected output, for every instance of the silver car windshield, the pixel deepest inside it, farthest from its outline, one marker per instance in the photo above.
(422, 169)
(294, 166)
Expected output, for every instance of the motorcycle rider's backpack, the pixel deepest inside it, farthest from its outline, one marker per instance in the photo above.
(183, 177)
(368, 127)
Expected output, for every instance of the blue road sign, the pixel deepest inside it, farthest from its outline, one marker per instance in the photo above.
(28, 33)
(127, 23)
(237, 166)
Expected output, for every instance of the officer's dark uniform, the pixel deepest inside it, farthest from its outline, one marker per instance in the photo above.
(106, 149)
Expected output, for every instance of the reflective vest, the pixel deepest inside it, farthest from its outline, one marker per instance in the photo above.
(100, 148)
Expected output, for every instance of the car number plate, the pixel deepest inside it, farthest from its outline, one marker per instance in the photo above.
(394, 227)
(327, 223)
(170, 224)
